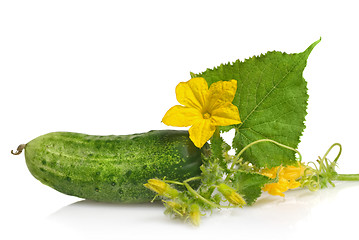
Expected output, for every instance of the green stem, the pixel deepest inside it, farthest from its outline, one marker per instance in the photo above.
(192, 179)
(259, 141)
(185, 181)
(272, 141)
(191, 190)
(347, 177)
(174, 182)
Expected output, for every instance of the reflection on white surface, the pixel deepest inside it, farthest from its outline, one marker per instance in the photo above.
(299, 213)
(86, 212)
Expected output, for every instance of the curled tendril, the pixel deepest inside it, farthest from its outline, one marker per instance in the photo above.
(310, 180)
(322, 172)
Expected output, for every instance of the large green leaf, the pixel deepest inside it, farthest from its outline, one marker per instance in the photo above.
(272, 101)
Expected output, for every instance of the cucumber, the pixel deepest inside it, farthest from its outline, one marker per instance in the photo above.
(111, 168)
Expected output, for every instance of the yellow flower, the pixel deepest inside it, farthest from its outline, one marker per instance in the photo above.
(203, 108)
(231, 195)
(287, 178)
(161, 188)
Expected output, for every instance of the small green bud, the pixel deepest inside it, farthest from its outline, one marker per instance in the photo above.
(195, 214)
(231, 195)
(162, 188)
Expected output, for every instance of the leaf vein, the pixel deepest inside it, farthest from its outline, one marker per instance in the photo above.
(271, 90)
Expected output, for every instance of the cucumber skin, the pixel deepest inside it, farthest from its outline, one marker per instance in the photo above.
(111, 168)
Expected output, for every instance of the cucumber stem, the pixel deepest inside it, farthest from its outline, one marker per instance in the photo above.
(19, 149)
(347, 177)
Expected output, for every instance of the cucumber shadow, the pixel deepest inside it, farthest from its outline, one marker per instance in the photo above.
(297, 207)
(90, 215)
(95, 204)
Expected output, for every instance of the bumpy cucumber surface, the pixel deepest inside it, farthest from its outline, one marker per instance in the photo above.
(111, 168)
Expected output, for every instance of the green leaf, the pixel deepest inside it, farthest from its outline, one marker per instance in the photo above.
(249, 185)
(272, 100)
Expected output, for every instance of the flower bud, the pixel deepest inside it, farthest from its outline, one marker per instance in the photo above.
(162, 188)
(179, 209)
(231, 195)
(173, 205)
(195, 214)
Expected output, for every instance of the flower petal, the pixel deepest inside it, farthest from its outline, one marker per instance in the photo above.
(219, 92)
(192, 93)
(293, 184)
(201, 132)
(180, 116)
(227, 114)
(277, 188)
(292, 172)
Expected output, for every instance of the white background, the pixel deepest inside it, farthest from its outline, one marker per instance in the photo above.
(111, 67)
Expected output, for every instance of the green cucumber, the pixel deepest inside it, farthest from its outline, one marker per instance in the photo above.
(111, 168)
